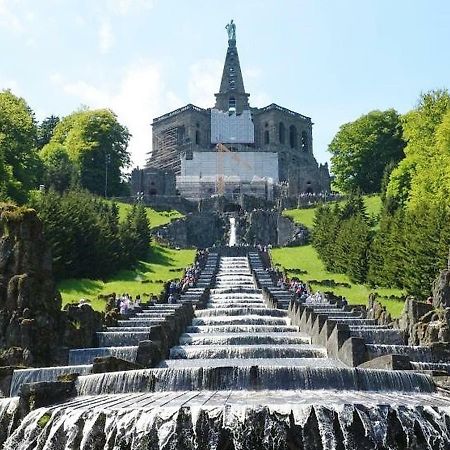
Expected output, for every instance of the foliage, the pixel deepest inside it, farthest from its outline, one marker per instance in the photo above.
(342, 236)
(96, 145)
(19, 162)
(313, 270)
(305, 216)
(156, 218)
(86, 237)
(45, 130)
(362, 149)
(160, 265)
(424, 173)
(59, 171)
(410, 247)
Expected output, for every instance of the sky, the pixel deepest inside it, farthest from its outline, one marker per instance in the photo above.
(327, 59)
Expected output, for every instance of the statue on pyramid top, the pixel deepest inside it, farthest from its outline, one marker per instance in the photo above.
(231, 30)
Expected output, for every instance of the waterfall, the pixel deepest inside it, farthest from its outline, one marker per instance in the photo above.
(236, 421)
(247, 351)
(22, 376)
(242, 377)
(87, 355)
(181, 378)
(232, 240)
(378, 336)
(243, 338)
(415, 353)
(9, 417)
(116, 339)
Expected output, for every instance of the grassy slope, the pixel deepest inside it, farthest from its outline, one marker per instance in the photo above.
(156, 218)
(162, 264)
(306, 258)
(306, 216)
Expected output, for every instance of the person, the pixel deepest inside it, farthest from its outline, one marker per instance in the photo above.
(171, 299)
(430, 300)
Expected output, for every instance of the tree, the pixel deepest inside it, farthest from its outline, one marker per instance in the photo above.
(96, 144)
(58, 169)
(362, 149)
(424, 171)
(45, 130)
(19, 162)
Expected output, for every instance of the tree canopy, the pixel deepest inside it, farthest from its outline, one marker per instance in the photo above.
(96, 146)
(362, 149)
(19, 162)
(424, 174)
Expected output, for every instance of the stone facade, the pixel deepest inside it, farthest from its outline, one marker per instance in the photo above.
(152, 182)
(275, 129)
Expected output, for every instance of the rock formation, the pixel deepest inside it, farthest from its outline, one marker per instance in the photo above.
(29, 302)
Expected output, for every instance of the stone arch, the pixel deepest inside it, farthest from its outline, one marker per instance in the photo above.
(281, 133)
(293, 136)
(305, 143)
(266, 137)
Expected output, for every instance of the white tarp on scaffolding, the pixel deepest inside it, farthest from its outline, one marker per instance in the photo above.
(245, 166)
(229, 128)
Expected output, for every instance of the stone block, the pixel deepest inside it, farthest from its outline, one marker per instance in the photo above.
(149, 354)
(6, 374)
(388, 362)
(38, 395)
(353, 352)
(337, 338)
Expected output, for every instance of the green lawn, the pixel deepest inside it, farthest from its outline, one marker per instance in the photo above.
(305, 216)
(156, 218)
(163, 264)
(306, 259)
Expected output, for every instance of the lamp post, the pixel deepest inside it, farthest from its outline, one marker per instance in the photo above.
(107, 161)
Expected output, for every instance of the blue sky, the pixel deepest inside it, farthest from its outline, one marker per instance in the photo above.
(330, 60)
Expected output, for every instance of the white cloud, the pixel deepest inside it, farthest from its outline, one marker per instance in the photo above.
(204, 81)
(105, 36)
(9, 19)
(139, 97)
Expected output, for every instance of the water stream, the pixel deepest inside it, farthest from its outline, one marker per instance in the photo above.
(243, 377)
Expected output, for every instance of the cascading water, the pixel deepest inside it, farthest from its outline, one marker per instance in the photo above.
(23, 376)
(243, 377)
(87, 355)
(233, 240)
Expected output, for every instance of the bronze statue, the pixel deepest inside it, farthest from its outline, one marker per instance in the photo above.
(231, 29)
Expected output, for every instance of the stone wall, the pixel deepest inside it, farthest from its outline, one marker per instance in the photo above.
(270, 227)
(195, 230)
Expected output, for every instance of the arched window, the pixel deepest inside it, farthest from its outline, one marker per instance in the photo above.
(305, 144)
(293, 136)
(266, 137)
(281, 133)
(232, 105)
(197, 137)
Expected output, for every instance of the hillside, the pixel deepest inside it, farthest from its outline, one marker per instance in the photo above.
(156, 218)
(305, 216)
(148, 277)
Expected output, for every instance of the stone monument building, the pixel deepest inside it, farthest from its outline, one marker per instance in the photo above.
(233, 148)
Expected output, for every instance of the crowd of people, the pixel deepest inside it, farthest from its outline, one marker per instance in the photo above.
(191, 274)
(302, 290)
(126, 304)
